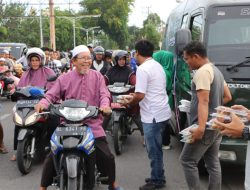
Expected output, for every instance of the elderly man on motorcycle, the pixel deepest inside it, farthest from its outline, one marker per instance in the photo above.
(88, 85)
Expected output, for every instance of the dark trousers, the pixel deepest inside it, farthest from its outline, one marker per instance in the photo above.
(166, 135)
(105, 162)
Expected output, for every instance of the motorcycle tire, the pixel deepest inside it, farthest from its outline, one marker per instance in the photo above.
(24, 160)
(72, 184)
(117, 133)
(61, 184)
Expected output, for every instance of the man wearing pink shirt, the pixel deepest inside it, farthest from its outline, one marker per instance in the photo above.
(82, 83)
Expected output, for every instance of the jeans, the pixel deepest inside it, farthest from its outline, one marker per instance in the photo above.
(153, 139)
(208, 148)
(247, 170)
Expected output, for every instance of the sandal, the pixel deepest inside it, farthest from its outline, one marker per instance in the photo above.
(13, 158)
(3, 150)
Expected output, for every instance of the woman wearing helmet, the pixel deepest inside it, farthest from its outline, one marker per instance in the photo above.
(99, 64)
(120, 72)
(36, 75)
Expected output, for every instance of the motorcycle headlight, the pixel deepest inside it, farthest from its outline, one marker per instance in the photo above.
(18, 120)
(31, 119)
(74, 114)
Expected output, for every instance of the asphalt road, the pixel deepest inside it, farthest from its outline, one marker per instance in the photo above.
(132, 166)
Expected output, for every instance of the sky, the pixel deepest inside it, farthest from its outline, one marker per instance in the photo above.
(139, 12)
(143, 7)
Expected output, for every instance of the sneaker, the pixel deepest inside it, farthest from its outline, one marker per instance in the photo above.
(151, 186)
(166, 147)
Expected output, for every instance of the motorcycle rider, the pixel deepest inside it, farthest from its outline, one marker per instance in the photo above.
(88, 85)
(6, 72)
(99, 64)
(6, 55)
(36, 75)
(121, 72)
(108, 57)
(48, 62)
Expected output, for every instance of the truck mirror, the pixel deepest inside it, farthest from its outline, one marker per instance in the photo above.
(182, 38)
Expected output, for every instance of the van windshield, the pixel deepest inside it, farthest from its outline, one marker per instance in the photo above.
(228, 37)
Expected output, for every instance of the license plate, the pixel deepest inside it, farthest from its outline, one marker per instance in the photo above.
(70, 131)
(26, 103)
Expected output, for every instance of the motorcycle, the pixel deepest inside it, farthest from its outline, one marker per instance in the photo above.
(121, 118)
(72, 144)
(32, 133)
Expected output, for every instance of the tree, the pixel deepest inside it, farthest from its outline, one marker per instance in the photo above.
(135, 34)
(9, 20)
(150, 33)
(153, 19)
(114, 17)
(152, 29)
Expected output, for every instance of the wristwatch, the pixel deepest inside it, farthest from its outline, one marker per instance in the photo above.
(245, 133)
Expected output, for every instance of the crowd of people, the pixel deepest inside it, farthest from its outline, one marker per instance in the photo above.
(91, 69)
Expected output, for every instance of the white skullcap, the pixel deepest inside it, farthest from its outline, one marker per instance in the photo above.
(90, 45)
(2, 59)
(6, 51)
(79, 49)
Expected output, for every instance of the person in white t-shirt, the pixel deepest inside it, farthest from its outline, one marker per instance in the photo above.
(150, 93)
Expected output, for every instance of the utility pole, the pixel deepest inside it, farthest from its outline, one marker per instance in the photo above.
(148, 10)
(41, 26)
(52, 25)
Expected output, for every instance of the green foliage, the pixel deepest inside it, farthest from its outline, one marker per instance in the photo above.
(9, 21)
(135, 34)
(3, 32)
(153, 19)
(150, 33)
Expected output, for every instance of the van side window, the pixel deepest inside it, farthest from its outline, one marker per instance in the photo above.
(184, 21)
(196, 27)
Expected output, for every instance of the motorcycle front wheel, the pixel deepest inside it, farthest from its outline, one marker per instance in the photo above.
(72, 183)
(24, 160)
(117, 133)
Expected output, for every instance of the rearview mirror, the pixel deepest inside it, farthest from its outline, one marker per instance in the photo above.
(182, 38)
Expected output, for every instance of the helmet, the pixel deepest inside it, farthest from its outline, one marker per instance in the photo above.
(35, 52)
(99, 50)
(120, 54)
(108, 53)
